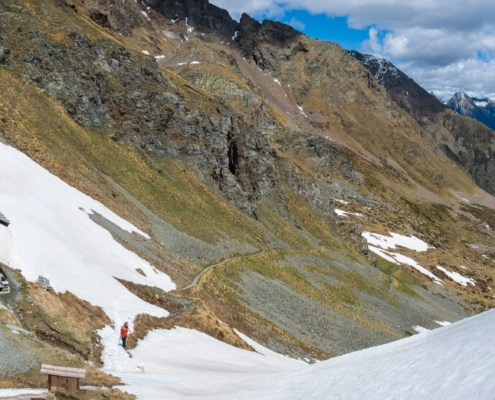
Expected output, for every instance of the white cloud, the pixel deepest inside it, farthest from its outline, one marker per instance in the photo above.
(297, 24)
(433, 38)
(473, 76)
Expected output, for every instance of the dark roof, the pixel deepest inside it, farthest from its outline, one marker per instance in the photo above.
(4, 220)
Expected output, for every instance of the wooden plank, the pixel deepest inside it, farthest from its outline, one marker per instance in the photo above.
(63, 371)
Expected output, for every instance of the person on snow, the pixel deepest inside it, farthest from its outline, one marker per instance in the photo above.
(124, 331)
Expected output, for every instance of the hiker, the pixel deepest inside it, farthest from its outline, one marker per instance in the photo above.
(124, 331)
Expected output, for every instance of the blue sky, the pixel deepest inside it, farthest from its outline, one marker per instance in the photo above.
(444, 45)
(323, 27)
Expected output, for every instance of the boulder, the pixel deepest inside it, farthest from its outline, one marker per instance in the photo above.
(4, 55)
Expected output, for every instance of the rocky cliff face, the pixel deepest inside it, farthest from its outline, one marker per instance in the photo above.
(467, 142)
(202, 15)
(482, 110)
(406, 93)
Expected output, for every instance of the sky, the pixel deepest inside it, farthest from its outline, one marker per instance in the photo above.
(445, 45)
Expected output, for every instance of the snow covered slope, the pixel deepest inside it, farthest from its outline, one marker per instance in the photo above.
(453, 362)
(183, 363)
(52, 235)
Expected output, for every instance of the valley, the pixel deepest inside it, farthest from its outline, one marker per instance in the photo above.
(251, 200)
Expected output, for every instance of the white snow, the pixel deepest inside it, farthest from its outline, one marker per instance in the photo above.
(183, 363)
(456, 277)
(145, 14)
(171, 34)
(384, 68)
(302, 111)
(342, 213)
(453, 362)
(52, 235)
(443, 323)
(189, 28)
(386, 242)
(420, 329)
(277, 81)
(159, 57)
(146, 52)
(386, 255)
(195, 62)
(409, 261)
(235, 35)
(20, 392)
(338, 200)
(380, 244)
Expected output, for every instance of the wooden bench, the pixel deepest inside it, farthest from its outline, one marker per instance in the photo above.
(63, 378)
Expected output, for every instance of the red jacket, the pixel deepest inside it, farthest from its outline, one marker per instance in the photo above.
(124, 331)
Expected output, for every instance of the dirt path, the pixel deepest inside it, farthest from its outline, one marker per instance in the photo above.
(196, 280)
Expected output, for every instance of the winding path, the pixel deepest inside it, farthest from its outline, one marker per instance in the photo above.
(196, 280)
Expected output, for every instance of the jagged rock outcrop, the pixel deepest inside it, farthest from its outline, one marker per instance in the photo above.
(482, 110)
(262, 41)
(123, 17)
(471, 143)
(407, 94)
(200, 14)
(105, 87)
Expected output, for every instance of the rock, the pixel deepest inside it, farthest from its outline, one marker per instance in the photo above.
(44, 282)
(200, 14)
(261, 42)
(4, 55)
(98, 17)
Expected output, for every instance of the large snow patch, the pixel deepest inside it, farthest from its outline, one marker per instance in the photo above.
(52, 235)
(453, 362)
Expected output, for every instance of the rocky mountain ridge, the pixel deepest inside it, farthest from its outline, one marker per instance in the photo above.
(264, 154)
(482, 110)
(466, 141)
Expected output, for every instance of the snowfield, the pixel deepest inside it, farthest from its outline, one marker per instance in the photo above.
(453, 362)
(183, 363)
(52, 235)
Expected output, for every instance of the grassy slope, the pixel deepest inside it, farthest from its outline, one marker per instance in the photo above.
(39, 127)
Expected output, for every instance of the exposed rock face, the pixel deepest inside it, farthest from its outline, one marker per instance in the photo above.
(204, 16)
(121, 16)
(406, 93)
(4, 55)
(256, 40)
(147, 111)
(481, 109)
(472, 142)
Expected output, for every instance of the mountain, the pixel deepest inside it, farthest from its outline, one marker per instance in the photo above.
(225, 187)
(466, 141)
(482, 110)
(407, 93)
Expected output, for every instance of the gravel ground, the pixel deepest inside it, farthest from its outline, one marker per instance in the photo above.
(306, 319)
(329, 330)
(176, 241)
(14, 355)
